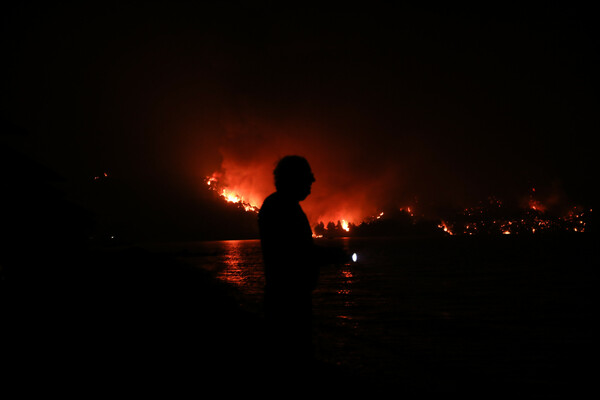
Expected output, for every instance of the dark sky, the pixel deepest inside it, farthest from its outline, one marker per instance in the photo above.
(444, 104)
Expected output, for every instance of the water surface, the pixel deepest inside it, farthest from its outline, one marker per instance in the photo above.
(501, 310)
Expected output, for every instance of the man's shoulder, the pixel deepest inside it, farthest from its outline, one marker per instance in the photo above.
(276, 206)
(268, 204)
(272, 201)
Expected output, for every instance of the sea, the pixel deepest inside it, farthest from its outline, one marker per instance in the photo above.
(512, 313)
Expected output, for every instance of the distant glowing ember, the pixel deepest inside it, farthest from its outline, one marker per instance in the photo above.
(445, 228)
(536, 205)
(104, 175)
(492, 217)
(407, 210)
(210, 180)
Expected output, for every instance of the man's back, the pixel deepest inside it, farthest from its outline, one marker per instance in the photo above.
(287, 243)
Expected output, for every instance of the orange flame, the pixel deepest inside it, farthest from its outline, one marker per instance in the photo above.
(229, 195)
(536, 205)
(345, 226)
(236, 194)
(445, 228)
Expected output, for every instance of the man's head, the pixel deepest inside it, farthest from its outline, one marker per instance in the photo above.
(293, 177)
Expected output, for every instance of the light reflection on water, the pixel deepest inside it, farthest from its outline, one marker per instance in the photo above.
(233, 260)
(344, 290)
(350, 303)
(411, 298)
(239, 264)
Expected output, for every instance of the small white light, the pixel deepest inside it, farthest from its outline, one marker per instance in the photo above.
(354, 257)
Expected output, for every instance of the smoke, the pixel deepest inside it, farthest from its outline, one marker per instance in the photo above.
(430, 112)
(352, 182)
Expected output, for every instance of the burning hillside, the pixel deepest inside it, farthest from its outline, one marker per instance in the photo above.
(494, 217)
(491, 217)
(229, 195)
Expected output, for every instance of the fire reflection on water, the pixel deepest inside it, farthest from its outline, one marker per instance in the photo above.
(233, 273)
(343, 281)
(345, 292)
(240, 265)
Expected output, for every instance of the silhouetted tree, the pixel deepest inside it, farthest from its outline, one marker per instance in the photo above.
(331, 228)
(320, 228)
(338, 227)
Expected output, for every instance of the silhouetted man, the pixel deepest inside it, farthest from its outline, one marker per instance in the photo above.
(291, 260)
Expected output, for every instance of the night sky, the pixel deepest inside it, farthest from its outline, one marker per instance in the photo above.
(439, 106)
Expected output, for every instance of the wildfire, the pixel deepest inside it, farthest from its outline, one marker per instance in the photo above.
(577, 218)
(211, 179)
(345, 226)
(537, 205)
(407, 210)
(231, 196)
(492, 217)
(444, 226)
(228, 195)
(489, 217)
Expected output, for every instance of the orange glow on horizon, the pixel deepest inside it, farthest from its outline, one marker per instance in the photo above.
(246, 196)
(323, 212)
